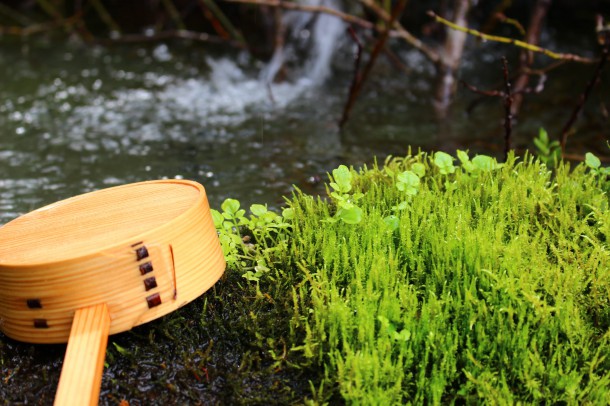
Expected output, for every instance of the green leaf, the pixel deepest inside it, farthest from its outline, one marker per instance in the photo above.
(338, 196)
(400, 206)
(218, 218)
(404, 335)
(288, 214)
(543, 149)
(463, 156)
(484, 163)
(384, 321)
(419, 169)
(345, 204)
(408, 181)
(342, 179)
(392, 222)
(449, 186)
(230, 206)
(357, 196)
(251, 276)
(351, 215)
(592, 161)
(258, 209)
(543, 136)
(121, 350)
(444, 162)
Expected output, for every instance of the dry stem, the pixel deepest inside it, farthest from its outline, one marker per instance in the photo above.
(506, 40)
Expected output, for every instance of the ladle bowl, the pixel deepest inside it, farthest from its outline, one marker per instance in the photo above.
(103, 262)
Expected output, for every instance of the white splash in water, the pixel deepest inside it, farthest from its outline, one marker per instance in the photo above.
(323, 36)
(169, 107)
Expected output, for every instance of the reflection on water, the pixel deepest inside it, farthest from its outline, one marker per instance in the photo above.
(74, 119)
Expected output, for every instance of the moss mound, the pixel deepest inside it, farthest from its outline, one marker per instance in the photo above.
(484, 282)
(417, 282)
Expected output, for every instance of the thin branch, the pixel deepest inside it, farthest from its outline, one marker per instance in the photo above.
(401, 32)
(507, 96)
(501, 17)
(585, 94)
(38, 28)
(105, 16)
(14, 15)
(512, 41)
(499, 10)
(76, 21)
(379, 45)
(217, 25)
(526, 58)
(355, 78)
(486, 93)
(312, 9)
(508, 116)
(497, 93)
(398, 32)
(174, 14)
(226, 23)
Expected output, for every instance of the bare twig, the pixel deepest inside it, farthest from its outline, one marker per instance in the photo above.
(174, 14)
(501, 17)
(398, 30)
(312, 9)
(76, 21)
(357, 74)
(512, 41)
(14, 15)
(526, 57)
(379, 45)
(216, 24)
(498, 11)
(496, 93)
(37, 28)
(486, 93)
(585, 94)
(401, 32)
(508, 116)
(507, 96)
(226, 23)
(105, 16)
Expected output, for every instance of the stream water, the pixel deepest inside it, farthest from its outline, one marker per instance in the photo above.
(75, 118)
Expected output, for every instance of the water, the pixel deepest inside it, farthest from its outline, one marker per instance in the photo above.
(76, 118)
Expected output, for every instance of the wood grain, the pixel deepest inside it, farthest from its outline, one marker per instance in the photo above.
(81, 374)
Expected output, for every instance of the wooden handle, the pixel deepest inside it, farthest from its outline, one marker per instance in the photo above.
(81, 374)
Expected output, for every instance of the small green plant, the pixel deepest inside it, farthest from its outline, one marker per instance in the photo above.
(248, 243)
(547, 151)
(408, 182)
(478, 164)
(444, 162)
(347, 210)
(594, 164)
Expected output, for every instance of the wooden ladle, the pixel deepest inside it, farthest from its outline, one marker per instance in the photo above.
(101, 263)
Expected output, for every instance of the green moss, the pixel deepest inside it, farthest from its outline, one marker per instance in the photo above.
(457, 284)
(492, 286)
